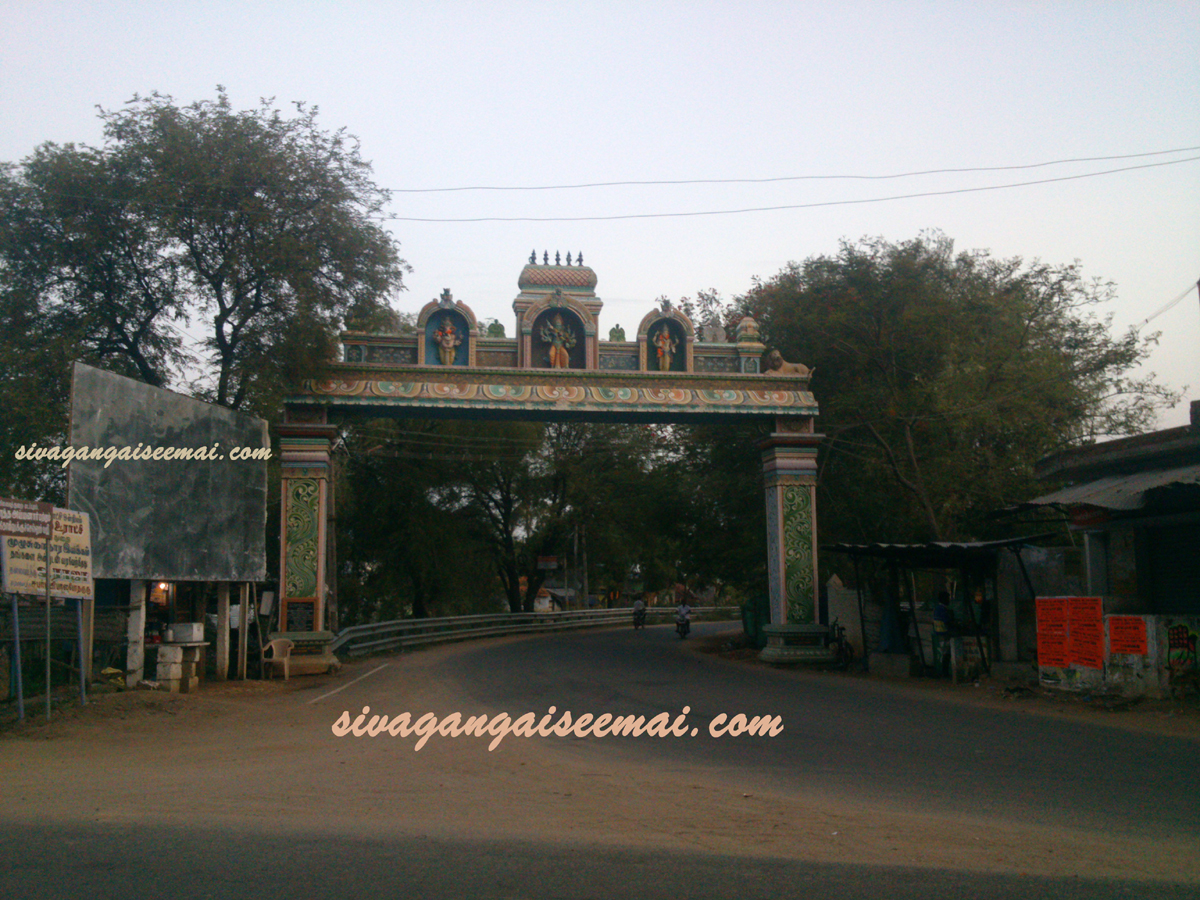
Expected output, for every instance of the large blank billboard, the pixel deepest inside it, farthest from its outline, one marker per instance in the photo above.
(171, 483)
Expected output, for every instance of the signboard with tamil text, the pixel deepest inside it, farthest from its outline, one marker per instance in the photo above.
(23, 554)
(24, 518)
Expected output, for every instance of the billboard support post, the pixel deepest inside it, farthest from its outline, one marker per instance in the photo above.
(85, 665)
(17, 660)
(47, 628)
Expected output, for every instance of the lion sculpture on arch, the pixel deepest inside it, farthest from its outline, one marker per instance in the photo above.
(777, 365)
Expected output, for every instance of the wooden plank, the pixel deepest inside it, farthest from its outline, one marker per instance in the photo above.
(89, 636)
(222, 631)
(243, 628)
(135, 657)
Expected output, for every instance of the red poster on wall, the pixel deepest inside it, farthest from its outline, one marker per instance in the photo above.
(1085, 632)
(1127, 634)
(1070, 631)
(1052, 631)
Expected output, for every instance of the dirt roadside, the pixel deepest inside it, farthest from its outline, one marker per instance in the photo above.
(1172, 717)
(230, 755)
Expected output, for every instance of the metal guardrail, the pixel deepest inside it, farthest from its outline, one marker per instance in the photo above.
(400, 634)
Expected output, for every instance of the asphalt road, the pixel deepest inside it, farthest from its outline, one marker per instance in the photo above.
(266, 803)
(850, 737)
(198, 864)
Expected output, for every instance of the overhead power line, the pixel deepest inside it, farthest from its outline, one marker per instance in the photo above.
(391, 217)
(597, 184)
(1171, 304)
(824, 203)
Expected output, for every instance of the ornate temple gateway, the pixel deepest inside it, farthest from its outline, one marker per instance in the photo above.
(557, 367)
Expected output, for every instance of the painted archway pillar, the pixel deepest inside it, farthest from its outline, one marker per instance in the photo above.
(305, 440)
(790, 479)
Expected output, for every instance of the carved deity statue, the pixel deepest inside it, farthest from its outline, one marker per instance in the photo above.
(561, 339)
(616, 333)
(447, 340)
(666, 348)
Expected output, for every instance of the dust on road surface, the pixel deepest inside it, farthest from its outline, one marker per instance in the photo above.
(261, 757)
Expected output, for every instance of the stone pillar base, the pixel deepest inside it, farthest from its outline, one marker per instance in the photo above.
(794, 644)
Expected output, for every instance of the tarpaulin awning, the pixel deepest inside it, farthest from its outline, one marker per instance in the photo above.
(936, 554)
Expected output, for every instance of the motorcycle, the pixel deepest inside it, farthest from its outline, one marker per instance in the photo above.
(639, 618)
(682, 626)
(840, 648)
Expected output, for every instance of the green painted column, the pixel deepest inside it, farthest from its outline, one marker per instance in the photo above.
(304, 444)
(790, 475)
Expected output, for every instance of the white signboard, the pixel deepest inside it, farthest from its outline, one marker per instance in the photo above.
(24, 559)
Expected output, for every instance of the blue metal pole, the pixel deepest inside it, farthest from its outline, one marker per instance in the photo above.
(47, 628)
(85, 665)
(17, 660)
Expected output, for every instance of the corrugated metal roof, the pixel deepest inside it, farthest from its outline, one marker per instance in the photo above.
(1156, 449)
(939, 554)
(1124, 492)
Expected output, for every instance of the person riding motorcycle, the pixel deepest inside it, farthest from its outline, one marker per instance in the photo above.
(683, 616)
(639, 613)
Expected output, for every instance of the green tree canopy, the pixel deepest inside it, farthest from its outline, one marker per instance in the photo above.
(259, 231)
(442, 515)
(405, 547)
(943, 377)
(274, 222)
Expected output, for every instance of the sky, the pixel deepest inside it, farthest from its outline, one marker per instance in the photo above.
(539, 95)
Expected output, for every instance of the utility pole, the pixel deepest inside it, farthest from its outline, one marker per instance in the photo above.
(585, 569)
(575, 562)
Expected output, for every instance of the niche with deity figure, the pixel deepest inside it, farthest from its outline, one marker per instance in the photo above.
(666, 349)
(558, 340)
(447, 339)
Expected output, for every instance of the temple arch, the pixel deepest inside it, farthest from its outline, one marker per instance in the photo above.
(513, 385)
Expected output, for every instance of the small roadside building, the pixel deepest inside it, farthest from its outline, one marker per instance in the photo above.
(177, 505)
(987, 624)
(1136, 503)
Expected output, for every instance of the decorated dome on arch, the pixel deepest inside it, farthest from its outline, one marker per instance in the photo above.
(747, 329)
(546, 273)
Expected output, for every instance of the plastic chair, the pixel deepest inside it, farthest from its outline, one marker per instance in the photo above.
(281, 650)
